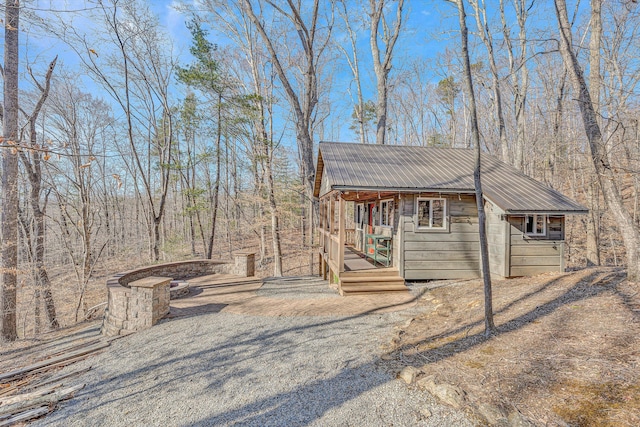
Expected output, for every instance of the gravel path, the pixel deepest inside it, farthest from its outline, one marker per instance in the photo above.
(297, 288)
(223, 369)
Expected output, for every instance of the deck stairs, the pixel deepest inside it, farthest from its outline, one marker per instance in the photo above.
(371, 281)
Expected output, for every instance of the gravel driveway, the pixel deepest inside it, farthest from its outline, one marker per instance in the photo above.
(222, 369)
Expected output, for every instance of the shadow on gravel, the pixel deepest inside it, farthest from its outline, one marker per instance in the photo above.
(197, 310)
(226, 367)
(304, 404)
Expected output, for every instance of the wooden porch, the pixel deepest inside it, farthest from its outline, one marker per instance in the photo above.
(342, 264)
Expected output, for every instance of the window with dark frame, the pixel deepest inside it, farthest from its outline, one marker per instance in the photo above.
(359, 215)
(535, 225)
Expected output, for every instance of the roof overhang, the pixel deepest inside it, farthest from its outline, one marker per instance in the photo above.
(519, 212)
(403, 189)
(543, 212)
(318, 182)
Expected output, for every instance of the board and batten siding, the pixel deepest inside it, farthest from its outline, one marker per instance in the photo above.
(447, 254)
(534, 255)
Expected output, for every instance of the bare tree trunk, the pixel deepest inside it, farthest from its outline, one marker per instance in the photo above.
(487, 38)
(267, 143)
(25, 227)
(382, 66)
(593, 223)
(484, 248)
(557, 134)
(216, 187)
(10, 173)
(33, 165)
(354, 64)
(519, 75)
(265, 148)
(595, 79)
(599, 155)
(44, 284)
(595, 44)
(263, 235)
(304, 228)
(275, 221)
(523, 87)
(157, 220)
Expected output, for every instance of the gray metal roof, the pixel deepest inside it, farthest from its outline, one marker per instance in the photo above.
(352, 166)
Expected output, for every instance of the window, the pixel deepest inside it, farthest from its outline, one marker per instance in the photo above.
(359, 215)
(386, 213)
(432, 213)
(535, 225)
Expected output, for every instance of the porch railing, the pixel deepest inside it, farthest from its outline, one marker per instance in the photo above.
(350, 236)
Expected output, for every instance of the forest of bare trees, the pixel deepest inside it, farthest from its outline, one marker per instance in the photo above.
(127, 142)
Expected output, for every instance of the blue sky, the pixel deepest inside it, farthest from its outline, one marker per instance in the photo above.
(431, 27)
(427, 32)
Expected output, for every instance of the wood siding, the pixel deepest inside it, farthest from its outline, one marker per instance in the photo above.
(447, 254)
(497, 229)
(534, 255)
(324, 184)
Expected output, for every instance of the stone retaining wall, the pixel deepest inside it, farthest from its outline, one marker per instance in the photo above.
(138, 299)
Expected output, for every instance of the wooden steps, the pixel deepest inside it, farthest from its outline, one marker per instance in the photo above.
(373, 272)
(371, 282)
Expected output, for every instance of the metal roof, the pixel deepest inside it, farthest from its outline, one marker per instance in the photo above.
(352, 166)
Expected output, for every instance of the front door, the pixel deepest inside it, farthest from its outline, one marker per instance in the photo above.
(373, 211)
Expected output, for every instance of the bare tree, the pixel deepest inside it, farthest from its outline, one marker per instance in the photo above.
(10, 171)
(304, 98)
(354, 65)
(78, 122)
(599, 154)
(257, 81)
(595, 80)
(265, 145)
(447, 93)
(32, 161)
(519, 72)
(475, 134)
(486, 35)
(382, 59)
(136, 71)
(186, 162)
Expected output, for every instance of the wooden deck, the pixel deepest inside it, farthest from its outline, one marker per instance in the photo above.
(355, 261)
(361, 277)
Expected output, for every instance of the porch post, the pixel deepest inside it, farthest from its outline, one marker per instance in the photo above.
(342, 225)
(330, 209)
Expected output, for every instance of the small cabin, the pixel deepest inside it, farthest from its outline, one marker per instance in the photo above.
(390, 213)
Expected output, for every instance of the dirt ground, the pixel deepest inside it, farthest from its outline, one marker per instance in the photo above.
(566, 351)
